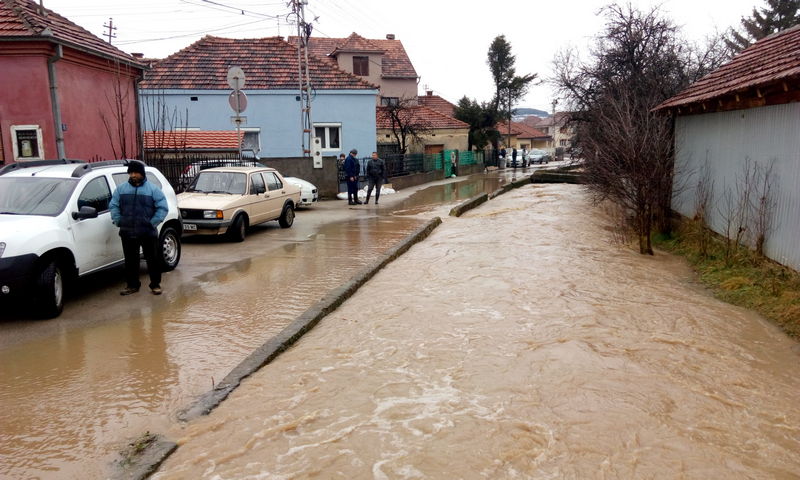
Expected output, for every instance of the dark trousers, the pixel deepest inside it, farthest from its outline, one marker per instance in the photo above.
(375, 183)
(352, 189)
(130, 247)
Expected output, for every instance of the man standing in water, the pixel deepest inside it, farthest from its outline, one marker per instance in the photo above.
(351, 170)
(137, 207)
(376, 174)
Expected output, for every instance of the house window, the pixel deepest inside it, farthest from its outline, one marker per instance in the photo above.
(361, 66)
(563, 143)
(27, 142)
(330, 135)
(388, 101)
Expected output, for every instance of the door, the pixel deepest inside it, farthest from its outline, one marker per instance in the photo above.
(96, 239)
(259, 196)
(276, 194)
(431, 149)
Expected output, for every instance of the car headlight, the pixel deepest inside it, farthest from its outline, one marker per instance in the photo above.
(2, 248)
(212, 213)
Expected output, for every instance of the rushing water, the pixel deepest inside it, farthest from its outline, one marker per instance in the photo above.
(517, 341)
(76, 390)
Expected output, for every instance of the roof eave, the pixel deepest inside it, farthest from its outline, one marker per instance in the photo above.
(74, 46)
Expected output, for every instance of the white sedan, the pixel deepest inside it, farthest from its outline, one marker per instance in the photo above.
(308, 191)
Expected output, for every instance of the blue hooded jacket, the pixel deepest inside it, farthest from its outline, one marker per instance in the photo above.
(137, 210)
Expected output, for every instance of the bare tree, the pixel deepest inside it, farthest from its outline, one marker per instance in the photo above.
(636, 63)
(764, 206)
(406, 121)
(117, 123)
(704, 192)
(747, 209)
(166, 126)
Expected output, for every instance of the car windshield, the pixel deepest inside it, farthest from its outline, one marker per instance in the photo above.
(35, 195)
(220, 182)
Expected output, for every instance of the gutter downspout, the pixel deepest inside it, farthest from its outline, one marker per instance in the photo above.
(51, 75)
(139, 132)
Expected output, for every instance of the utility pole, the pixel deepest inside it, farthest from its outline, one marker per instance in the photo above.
(303, 77)
(111, 29)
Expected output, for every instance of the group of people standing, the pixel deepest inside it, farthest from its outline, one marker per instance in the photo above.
(376, 176)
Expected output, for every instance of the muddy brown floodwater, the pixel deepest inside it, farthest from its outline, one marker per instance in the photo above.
(76, 390)
(517, 341)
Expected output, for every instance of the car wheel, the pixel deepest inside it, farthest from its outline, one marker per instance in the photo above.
(169, 245)
(238, 230)
(50, 291)
(287, 217)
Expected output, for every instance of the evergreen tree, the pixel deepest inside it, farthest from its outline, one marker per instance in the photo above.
(509, 87)
(481, 120)
(778, 15)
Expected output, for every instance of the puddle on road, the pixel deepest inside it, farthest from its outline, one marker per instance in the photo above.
(448, 193)
(70, 400)
(516, 342)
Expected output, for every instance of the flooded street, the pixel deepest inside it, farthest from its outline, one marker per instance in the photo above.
(76, 389)
(517, 341)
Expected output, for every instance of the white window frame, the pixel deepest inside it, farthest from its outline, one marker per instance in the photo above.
(39, 142)
(326, 141)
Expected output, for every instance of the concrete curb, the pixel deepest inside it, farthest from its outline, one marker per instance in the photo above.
(468, 204)
(148, 461)
(544, 176)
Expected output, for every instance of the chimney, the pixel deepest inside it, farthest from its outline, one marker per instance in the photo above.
(430, 93)
(390, 36)
(137, 55)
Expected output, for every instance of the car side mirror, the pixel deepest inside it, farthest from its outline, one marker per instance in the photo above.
(84, 213)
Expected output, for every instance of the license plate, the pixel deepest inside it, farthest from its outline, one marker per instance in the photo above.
(189, 226)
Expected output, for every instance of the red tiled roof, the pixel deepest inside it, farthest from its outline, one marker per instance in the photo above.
(357, 43)
(437, 103)
(395, 62)
(193, 139)
(526, 131)
(773, 58)
(424, 115)
(25, 20)
(268, 64)
(502, 127)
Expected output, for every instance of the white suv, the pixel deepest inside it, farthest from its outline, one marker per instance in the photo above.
(55, 226)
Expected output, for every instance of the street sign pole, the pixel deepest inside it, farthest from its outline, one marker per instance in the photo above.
(239, 103)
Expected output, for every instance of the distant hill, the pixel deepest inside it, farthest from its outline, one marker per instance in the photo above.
(520, 112)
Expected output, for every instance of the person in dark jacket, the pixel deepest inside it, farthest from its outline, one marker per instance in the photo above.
(137, 207)
(351, 170)
(376, 174)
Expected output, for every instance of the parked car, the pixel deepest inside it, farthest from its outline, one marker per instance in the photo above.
(308, 191)
(191, 170)
(539, 156)
(227, 200)
(522, 159)
(56, 226)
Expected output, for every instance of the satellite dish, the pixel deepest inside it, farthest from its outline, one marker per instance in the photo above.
(236, 78)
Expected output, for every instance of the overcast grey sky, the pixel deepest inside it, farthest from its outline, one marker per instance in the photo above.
(447, 40)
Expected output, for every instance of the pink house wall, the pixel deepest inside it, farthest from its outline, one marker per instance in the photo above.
(25, 100)
(86, 93)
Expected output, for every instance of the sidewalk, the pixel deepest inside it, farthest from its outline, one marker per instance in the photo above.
(517, 341)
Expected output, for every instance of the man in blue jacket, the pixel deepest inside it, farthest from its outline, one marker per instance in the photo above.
(351, 170)
(137, 207)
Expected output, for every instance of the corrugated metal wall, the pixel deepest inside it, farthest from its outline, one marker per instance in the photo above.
(723, 144)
